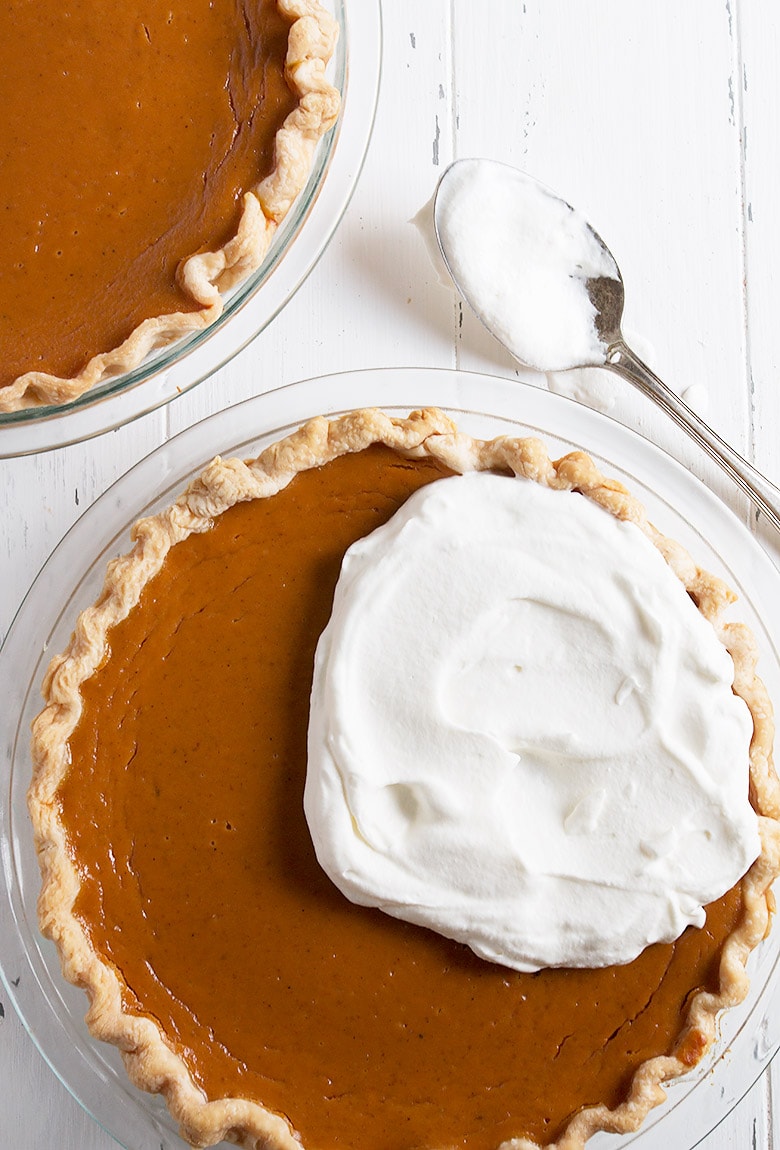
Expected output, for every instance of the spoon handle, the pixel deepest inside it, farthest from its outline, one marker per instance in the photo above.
(622, 360)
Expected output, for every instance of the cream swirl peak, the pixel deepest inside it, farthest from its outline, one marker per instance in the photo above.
(523, 733)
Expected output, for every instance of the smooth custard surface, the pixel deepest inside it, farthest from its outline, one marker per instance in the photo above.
(183, 809)
(130, 132)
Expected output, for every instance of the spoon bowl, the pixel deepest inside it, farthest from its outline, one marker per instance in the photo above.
(545, 284)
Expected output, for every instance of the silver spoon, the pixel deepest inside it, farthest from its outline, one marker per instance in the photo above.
(542, 267)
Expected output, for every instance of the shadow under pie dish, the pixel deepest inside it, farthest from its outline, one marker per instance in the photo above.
(394, 1004)
(190, 132)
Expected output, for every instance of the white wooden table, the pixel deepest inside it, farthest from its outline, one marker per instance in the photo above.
(661, 122)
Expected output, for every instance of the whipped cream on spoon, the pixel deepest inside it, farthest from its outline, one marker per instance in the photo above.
(544, 283)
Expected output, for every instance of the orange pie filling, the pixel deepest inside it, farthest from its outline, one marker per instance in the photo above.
(131, 133)
(200, 887)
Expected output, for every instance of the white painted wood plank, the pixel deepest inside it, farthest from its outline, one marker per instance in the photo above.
(759, 28)
(628, 114)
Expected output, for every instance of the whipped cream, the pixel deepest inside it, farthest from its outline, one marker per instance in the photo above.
(521, 257)
(523, 733)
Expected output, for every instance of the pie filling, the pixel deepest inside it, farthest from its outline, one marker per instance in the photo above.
(199, 883)
(128, 143)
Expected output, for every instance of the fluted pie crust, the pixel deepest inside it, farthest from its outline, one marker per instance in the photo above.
(205, 276)
(151, 1060)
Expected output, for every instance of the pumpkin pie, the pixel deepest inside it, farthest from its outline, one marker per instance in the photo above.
(149, 152)
(181, 886)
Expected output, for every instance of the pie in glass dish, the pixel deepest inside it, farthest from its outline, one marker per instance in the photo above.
(181, 884)
(150, 153)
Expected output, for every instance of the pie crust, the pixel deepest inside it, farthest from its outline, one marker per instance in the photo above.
(151, 1062)
(205, 276)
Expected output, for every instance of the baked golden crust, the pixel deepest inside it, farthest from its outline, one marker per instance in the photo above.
(150, 1061)
(205, 276)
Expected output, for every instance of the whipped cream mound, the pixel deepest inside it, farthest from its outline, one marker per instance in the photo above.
(521, 257)
(523, 733)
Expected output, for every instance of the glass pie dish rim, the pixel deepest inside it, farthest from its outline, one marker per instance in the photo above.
(476, 400)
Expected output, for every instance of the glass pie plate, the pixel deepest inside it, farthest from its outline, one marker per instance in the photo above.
(679, 504)
(250, 307)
